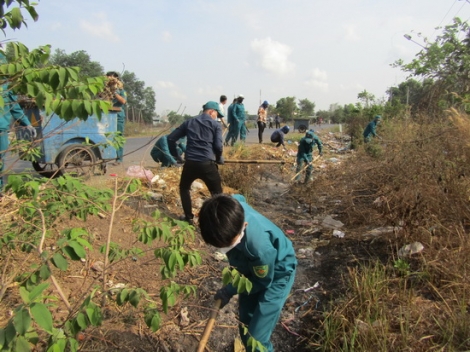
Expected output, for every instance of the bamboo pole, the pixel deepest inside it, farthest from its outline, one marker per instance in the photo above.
(234, 161)
(210, 324)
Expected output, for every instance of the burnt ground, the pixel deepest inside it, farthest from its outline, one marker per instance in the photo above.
(323, 264)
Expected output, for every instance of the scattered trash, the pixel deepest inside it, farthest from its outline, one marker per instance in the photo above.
(409, 249)
(98, 266)
(290, 232)
(303, 253)
(155, 178)
(303, 222)
(331, 223)
(333, 160)
(138, 171)
(379, 201)
(115, 288)
(221, 257)
(184, 319)
(338, 233)
(317, 285)
(382, 230)
(196, 186)
(155, 196)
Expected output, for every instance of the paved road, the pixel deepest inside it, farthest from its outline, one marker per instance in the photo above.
(137, 151)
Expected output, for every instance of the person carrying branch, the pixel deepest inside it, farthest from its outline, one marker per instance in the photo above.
(304, 155)
(260, 251)
(119, 100)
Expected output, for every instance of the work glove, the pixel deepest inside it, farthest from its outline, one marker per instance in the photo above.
(224, 295)
(220, 160)
(32, 130)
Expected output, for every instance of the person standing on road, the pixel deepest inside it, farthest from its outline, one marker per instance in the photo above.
(262, 119)
(371, 129)
(10, 111)
(260, 251)
(277, 121)
(222, 102)
(270, 119)
(304, 155)
(232, 126)
(278, 136)
(239, 118)
(203, 154)
(119, 101)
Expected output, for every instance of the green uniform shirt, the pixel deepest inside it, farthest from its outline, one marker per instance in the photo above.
(264, 254)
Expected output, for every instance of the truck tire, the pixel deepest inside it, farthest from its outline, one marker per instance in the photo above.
(46, 169)
(302, 128)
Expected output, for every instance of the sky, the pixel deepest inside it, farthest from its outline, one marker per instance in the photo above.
(193, 51)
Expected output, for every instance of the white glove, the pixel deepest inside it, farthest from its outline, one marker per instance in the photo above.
(32, 130)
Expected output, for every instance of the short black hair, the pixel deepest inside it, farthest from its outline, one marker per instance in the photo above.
(112, 74)
(223, 98)
(221, 219)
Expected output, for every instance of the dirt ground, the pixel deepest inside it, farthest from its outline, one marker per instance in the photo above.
(323, 261)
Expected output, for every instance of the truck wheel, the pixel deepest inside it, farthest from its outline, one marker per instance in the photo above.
(302, 128)
(46, 169)
(77, 160)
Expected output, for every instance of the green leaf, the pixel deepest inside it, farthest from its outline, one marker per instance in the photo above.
(22, 321)
(24, 293)
(82, 321)
(22, 345)
(122, 297)
(78, 248)
(38, 290)
(134, 298)
(153, 319)
(42, 316)
(2, 339)
(44, 272)
(59, 261)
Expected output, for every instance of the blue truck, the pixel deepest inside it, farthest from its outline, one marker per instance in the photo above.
(75, 147)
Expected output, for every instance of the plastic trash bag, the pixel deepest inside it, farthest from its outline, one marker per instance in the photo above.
(137, 171)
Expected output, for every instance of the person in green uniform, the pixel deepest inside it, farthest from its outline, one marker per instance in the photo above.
(260, 251)
(304, 154)
(10, 111)
(160, 152)
(119, 101)
(371, 129)
(232, 126)
(239, 118)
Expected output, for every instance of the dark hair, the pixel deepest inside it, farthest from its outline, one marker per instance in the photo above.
(221, 219)
(112, 74)
(223, 98)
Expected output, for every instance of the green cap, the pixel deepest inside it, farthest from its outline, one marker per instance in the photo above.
(214, 106)
(377, 117)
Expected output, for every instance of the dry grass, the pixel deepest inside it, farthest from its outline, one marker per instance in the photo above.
(419, 179)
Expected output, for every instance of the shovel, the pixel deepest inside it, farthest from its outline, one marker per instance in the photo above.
(209, 325)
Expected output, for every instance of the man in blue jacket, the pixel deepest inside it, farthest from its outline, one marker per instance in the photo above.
(371, 129)
(203, 153)
(11, 111)
(260, 251)
(278, 136)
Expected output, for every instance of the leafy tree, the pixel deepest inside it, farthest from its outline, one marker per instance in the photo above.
(175, 118)
(140, 99)
(79, 58)
(446, 63)
(286, 108)
(366, 97)
(307, 108)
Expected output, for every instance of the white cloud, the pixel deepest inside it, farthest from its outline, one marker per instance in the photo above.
(171, 89)
(101, 28)
(165, 84)
(273, 56)
(351, 33)
(318, 79)
(166, 36)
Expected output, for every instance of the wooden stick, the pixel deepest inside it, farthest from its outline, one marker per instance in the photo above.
(209, 326)
(305, 167)
(233, 161)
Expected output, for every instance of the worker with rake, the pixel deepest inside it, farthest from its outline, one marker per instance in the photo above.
(260, 251)
(304, 155)
(371, 129)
